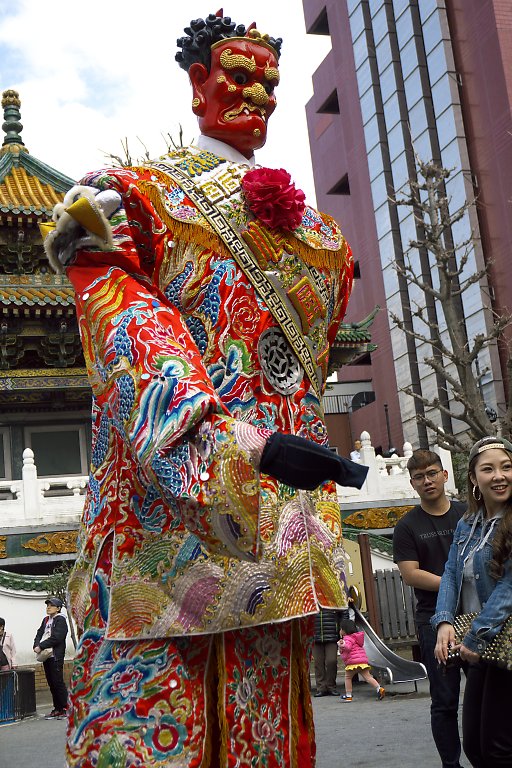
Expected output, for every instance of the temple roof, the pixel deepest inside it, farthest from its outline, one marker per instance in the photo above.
(27, 185)
(352, 342)
(37, 295)
(21, 192)
(358, 332)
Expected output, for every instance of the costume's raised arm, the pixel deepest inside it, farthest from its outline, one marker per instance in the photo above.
(150, 384)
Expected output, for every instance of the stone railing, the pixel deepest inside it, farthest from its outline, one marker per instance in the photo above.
(35, 501)
(388, 477)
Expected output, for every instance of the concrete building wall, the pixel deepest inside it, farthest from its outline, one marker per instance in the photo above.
(430, 78)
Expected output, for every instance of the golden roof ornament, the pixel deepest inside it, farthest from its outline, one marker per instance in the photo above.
(12, 125)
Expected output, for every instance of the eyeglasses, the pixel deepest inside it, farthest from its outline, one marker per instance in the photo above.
(427, 475)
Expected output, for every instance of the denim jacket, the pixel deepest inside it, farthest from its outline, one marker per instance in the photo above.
(495, 596)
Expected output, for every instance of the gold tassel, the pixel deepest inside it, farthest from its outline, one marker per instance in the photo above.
(193, 232)
(320, 257)
(188, 232)
(299, 691)
(221, 697)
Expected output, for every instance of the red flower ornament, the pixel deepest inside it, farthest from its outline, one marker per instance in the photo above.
(273, 197)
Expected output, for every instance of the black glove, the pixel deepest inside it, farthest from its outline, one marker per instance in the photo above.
(304, 464)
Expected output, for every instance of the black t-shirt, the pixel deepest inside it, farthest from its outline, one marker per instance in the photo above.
(426, 539)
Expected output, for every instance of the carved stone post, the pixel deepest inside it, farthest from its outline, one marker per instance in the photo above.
(31, 490)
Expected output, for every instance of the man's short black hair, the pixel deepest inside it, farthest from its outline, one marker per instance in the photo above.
(422, 459)
(203, 33)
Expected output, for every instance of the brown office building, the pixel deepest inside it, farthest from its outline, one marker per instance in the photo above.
(432, 79)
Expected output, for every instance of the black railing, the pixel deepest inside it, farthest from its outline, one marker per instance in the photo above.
(17, 695)
(6, 697)
(24, 693)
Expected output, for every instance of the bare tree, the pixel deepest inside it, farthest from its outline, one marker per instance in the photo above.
(56, 583)
(453, 357)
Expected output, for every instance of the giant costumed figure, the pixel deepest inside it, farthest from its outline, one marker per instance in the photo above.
(207, 295)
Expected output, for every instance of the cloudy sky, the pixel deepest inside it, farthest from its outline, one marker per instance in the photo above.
(90, 75)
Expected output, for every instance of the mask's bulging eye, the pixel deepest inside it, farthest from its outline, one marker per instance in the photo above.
(240, 78)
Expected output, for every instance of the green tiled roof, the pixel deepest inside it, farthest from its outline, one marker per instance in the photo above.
(37, 295)
(357, 333)
(27, 185)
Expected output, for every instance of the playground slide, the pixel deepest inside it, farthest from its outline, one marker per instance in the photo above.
(398, 669)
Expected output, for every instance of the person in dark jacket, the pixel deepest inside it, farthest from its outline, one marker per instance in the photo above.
(325, 651)
(52, 635)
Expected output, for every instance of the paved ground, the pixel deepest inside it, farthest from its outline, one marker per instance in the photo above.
(367, 733)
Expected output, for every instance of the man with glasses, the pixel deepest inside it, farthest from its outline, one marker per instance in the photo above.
(421, 541)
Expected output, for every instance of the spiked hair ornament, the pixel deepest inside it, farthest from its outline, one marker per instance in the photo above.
(203, 33)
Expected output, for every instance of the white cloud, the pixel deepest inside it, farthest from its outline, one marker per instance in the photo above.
(90, 75)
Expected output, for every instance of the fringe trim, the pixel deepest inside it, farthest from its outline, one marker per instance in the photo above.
(294, 701)
(215, 753)
(218, 643)
(300, 697)
(189, 232)
(195, 232)
(321, 257)
(210, 705)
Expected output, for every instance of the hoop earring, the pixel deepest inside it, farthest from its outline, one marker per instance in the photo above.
(475, 490)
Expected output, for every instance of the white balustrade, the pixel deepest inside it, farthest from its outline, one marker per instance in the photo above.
(36, 501)
(388, 476)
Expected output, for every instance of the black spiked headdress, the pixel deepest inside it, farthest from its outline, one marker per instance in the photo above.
(203, 33)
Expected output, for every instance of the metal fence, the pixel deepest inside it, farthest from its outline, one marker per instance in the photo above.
(17, 695)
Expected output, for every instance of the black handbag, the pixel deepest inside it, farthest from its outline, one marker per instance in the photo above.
(499, 650)
(4, 661)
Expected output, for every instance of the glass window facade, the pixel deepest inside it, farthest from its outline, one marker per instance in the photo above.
(372, 133)
(392, 109)
(360, 50)
(375, 161)
(400, 170)
(379, 190)
(368, 105)
(413, 87)
(409, 58)
(444, 94)
(383, 221)
(388, 84)
(396, 143)
(417, 119)
(404, 63)
(428, 7)
(357, 22)
(404, 27)
(399, 7)
(384, 54)
(436, 63)
(432, 32)
(380, 25)
(364, 76)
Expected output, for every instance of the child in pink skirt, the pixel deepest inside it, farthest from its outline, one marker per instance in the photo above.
(351, 648)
